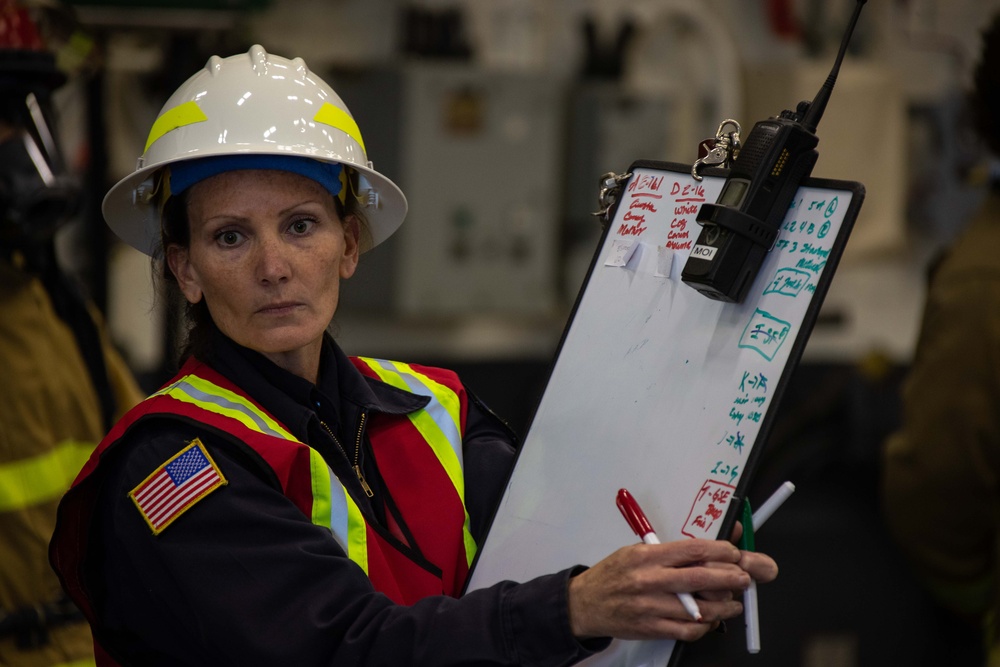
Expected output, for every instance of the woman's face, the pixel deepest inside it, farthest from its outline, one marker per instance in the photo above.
(267, 253)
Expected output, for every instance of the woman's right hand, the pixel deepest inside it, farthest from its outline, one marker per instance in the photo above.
(632, 594)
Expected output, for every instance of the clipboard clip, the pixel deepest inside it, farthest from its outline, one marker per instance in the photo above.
(721, 149)
(610, 187)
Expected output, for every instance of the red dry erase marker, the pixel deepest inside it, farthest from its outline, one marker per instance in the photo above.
(640, 525)
(636, 518)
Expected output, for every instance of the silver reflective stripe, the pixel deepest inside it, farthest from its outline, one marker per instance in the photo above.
(437, 411)
(338, 511)
(226, 407)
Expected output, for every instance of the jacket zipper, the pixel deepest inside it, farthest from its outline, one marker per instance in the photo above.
(357, 453)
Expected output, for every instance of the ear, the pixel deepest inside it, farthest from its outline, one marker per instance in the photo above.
(352, 247)
(179, 261)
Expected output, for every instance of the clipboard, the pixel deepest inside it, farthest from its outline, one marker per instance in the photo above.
(657, 388)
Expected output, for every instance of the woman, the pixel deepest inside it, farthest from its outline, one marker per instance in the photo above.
(281, 503)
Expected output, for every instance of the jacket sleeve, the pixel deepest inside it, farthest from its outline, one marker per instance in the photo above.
(242, 577)
(489, 447)
(940, 476)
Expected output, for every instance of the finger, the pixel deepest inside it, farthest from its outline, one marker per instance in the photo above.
(713, 611)
(720, 577)
(737, 532)
(661, 620)
(695, 551)
(759, 566)
(716, 596)
(734, 567)
(702, 578)
(665, 628)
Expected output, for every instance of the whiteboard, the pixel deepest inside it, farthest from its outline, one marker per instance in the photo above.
(660, 389)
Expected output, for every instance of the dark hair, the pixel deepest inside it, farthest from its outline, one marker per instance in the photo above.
(175, 230)
(985, 98)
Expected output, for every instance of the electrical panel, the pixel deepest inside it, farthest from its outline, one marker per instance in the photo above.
(478, 155)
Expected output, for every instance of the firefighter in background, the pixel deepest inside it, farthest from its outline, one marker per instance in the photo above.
(63, 383)
(940, 469)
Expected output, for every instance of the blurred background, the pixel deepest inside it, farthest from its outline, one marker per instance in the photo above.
(497, 118)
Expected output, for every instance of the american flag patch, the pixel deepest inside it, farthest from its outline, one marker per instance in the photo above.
(177, 485)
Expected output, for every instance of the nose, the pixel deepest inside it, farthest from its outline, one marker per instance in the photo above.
(273, 264)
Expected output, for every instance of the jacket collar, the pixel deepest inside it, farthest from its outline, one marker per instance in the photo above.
(294, 401)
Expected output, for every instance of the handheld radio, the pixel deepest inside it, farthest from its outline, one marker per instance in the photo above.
(740, 228)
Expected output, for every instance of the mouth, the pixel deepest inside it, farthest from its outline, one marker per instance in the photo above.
(279, 308)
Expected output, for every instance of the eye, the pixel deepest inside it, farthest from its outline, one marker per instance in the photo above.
(301, 226)
(229, 237)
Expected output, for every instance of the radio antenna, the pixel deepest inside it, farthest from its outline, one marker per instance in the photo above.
(818, 105)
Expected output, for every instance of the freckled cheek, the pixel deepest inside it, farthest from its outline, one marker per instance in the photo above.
(227, 291)
(332, 289)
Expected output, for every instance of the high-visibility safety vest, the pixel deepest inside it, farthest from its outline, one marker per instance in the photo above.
(419, 456)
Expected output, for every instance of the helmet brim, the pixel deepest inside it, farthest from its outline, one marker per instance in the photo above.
(134, 216)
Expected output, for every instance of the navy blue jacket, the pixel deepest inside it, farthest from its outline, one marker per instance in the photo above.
(244, 578)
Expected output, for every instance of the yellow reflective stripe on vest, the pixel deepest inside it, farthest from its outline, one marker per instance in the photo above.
(333, 508)
(438, 423)
(211, 397)
(28, 482)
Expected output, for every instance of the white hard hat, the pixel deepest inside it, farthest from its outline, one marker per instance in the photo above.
(249, 104)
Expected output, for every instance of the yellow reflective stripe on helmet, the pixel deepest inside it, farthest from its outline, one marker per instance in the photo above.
(181, 115)
(333, 116)
(209, 396)
(28, 482)
(438, 423)
(333, 508)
